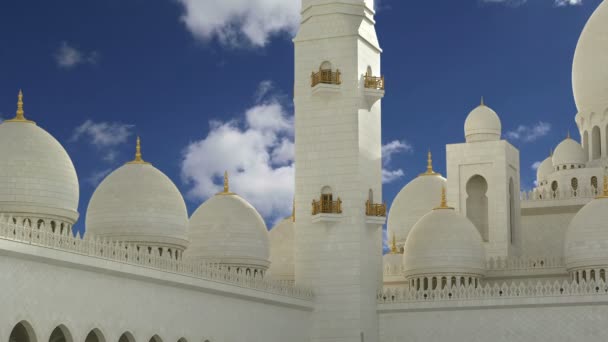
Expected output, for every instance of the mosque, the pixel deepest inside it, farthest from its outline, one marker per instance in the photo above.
(472, 258)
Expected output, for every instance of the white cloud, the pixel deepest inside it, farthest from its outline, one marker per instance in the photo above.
(96, 177)
(256, 150)
(388, 150)
(68, 56)
(105, 136)
(240, 22)
(529, 133)
(562, 3)
(536, 165)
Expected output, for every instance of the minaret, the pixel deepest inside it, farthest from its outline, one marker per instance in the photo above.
(337, 92)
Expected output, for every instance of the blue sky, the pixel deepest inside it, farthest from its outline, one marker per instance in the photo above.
(207, 84)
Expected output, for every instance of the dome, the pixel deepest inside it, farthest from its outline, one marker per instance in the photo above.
(415, 200)
(544, 169)
(589, 71)
(228, 230)
(586, 244)
(37, 178)
(444, 242)
(569, 152)
(138, 203)
(282, 262)
(482, 124)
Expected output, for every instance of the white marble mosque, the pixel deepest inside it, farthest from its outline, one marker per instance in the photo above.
(472, 258)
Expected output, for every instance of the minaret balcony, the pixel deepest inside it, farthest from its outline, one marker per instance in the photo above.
(326, 81)
(326, 209)
(373, 89)
(375, 213)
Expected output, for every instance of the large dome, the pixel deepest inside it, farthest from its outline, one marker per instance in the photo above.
(482, 124)
(590, 67)
(415, 200)
(282, 259)
(138, 203)
(444, 242)
(586, 244)
(37, 178)
(568, 153)
(228, 230)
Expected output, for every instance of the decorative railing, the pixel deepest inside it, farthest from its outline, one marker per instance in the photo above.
(506, 290)
(326, 76)
(373, 82)
(544, 195)
(378, 210)
(129, 254)
(324, 206)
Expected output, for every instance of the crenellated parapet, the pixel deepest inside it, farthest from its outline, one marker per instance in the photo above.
(560, 194)
(128, 253)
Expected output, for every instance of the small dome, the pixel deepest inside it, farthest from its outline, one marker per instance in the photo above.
(37, 177)
(569, 152)
(138, 203)
(586, 244)
(282, 259)
(482, 124)
(444, 242)
(544, 169)
(228, 230)
(415, 200)
(589, 71)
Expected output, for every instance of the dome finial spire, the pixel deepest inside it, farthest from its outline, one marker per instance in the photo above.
(293, 210)
(482, 101)
(138, 159)
(429, 165)
(568, 137)
(20, 115)
(226, 182)
(394, 249)
(444, 200)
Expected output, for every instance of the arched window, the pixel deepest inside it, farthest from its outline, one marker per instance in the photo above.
(603, 275)
(434, 283)
(95, 336)
(61, 334)
(596, 143)
(594, 184)
(22, 332)
(368, 72)
(326, 66)
(426, 284)
(554, 188)
(574, 184)
(477, 205)
(511, 210)
(126, 337)
(155, 338)
(586, 144)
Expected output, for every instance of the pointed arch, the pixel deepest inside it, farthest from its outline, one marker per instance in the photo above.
(477, 205)
(126, 337)
(22, 332)
(61, 334)
(95, 335)
(596, 143)
(586, 144)
(156, 338)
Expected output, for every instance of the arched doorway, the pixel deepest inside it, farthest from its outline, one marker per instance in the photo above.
(22, 332)
(95, 336)
(126, 337)
(477, 205)
(596, 143)
(61, 334)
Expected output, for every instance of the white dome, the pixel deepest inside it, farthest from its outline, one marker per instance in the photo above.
(37, 177)
(415, 200)
(569, 152)
(444, 242)
(138, 203)
(482, 124)
(586, 244)
(590, 67)
(226, 229)
(544, 169)
(282, 259)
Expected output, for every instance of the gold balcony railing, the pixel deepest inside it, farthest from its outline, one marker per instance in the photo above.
(373, 82)
(326, 206)
(377, 210)
(326, 76)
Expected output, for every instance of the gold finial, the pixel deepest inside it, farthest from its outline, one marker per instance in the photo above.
(138, 159)
(20, 115)
(394, 249)
(226, 185)
(605, 192)
(444, 200)
(293, 210)
(551, 153)
(568, 137)
(429, 166)
(482, 102)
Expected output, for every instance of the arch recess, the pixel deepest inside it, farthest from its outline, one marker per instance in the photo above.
(61, 334)
(596, 143)
(95, 335)
(126, 337)
(477, 205)
(22, 332)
